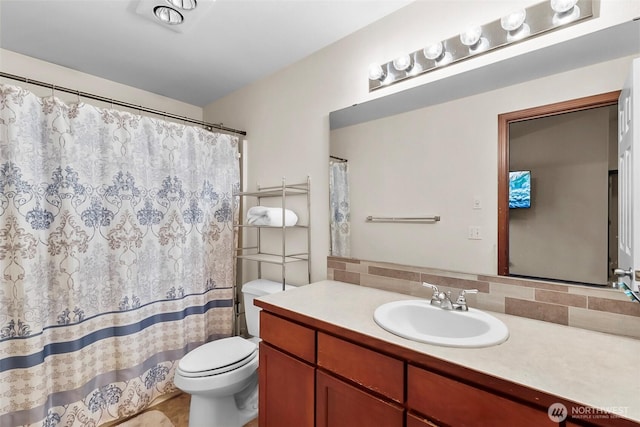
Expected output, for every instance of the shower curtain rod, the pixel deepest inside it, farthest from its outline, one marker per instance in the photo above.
(340, 159)
(206, 125)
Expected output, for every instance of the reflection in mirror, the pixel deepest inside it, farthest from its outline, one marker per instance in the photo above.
(563, 232)
(568, 230)
(339, 205)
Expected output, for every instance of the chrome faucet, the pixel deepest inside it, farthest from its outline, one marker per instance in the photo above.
(443, 300)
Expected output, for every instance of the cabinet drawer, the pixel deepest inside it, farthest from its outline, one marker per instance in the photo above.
(288, 336)
(454, 403)
(375, 371)
(340, 404)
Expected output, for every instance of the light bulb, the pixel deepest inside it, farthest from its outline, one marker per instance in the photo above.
(376, 72)
(433, 51)
(402, 63)
(471, 36)
(563, 6)
(513, 21)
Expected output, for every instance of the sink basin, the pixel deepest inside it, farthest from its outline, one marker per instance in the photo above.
(418, 320)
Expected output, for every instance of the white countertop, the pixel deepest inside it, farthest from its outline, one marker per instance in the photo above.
(591, 368)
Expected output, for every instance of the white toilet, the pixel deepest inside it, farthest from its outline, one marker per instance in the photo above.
(222, 376)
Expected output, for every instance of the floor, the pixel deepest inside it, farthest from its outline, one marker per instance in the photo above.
(173, 412)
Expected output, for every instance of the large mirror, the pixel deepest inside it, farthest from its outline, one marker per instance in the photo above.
(441, 158)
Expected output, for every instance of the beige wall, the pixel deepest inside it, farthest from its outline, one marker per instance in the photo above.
(286, 114)
(25, 66)
(564, 235)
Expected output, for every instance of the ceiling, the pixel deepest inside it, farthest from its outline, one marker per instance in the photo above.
(226, 44)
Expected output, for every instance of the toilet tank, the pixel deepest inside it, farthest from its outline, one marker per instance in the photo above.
(250, 291)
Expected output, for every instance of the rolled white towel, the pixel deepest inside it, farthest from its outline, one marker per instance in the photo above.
(262, 215)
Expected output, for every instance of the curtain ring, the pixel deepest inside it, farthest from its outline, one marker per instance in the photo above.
(111, 103)
(53, 91)
(78, 94)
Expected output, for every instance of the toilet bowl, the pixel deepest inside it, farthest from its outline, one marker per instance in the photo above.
(222, 375)
(222, 378)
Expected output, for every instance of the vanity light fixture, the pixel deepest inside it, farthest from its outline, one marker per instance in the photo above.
(517, 26)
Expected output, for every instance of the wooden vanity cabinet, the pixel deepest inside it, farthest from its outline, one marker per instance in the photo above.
(315, 374)
(286, 373)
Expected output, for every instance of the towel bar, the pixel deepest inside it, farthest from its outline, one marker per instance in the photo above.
(416, 220)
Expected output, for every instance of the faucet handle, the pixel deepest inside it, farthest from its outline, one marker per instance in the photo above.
(434, 287)
(461, 296)
(436, 291)
(435, 300)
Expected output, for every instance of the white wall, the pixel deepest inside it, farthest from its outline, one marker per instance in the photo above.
(35, 69)
(286, 114)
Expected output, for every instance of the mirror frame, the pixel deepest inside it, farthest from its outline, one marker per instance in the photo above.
(504, 120)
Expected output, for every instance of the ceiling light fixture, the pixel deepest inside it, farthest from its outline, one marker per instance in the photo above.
(519, 25)
(168, 15)
(184, 4)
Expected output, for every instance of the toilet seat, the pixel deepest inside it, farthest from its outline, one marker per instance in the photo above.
(217, 357)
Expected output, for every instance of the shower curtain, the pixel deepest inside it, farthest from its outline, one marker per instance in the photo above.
(116, 256)
(339, 205)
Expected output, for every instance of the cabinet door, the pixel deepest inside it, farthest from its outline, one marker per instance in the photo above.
(340, 404)
(454, 403)
(286, 390)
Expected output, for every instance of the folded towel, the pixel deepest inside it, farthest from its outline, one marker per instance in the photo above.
(262, 215)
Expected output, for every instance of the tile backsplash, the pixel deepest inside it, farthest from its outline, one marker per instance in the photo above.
(597, 309)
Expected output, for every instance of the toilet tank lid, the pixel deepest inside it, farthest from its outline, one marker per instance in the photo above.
(217, 354)
(263, 287)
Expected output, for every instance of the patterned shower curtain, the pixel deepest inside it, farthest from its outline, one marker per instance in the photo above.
(339, 205)
(116, 256)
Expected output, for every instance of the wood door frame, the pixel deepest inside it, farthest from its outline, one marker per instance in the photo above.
(504, 120)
